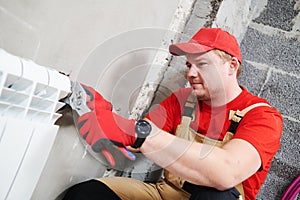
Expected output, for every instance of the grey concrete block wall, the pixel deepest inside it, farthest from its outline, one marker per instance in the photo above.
(279, 14)
(271, 50)
(271, 69)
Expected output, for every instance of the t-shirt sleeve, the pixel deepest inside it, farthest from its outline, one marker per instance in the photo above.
(167, 114)
(262, 127)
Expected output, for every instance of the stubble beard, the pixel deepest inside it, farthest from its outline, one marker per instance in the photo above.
(201, 94)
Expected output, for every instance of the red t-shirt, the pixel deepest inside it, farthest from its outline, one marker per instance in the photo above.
(261, 127)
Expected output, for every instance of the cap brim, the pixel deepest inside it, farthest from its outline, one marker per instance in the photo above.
(188, 48)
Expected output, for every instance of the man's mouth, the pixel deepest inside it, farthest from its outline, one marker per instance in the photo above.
(196, 84)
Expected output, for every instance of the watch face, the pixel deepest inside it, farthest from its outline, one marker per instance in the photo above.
(143, 128)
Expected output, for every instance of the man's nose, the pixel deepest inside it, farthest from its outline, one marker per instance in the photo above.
(192, 71)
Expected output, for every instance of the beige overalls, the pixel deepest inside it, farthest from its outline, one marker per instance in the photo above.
(170, 187)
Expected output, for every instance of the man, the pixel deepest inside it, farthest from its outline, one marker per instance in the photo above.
(196, 134)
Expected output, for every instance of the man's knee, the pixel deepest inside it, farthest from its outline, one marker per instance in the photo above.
(90, 190)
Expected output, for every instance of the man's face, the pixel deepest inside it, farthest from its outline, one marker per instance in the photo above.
(207, 74)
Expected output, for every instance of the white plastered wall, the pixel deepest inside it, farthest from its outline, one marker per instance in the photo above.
(107, 44)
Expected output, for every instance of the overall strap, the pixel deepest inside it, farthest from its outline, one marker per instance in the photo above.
(236, 116)
(189, 107)
(188, 115)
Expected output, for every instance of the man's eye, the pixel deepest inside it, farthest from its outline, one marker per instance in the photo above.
(201, 64)
(188, 65)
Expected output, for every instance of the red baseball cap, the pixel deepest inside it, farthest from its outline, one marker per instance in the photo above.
(207, 39)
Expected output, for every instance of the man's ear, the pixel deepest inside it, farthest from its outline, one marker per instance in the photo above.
(234, 65)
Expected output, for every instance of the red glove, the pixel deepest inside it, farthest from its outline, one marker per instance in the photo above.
(95, 101)
(89, 123)
(106, 129)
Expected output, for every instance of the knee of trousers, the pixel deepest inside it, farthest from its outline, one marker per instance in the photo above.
(90, 190)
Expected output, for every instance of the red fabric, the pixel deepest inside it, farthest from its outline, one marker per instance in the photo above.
(262, 127)
(207, 39)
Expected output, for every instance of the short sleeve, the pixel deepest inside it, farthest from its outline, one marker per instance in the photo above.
(262, 127)
(167, 114)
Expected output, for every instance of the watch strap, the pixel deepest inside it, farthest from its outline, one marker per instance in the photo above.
(138, 142)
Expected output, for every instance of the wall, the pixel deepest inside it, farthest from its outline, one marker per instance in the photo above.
(107, 44)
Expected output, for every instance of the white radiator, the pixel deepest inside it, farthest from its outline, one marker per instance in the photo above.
(29, 95)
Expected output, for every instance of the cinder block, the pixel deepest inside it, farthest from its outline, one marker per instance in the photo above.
(289, 151)
(283, 170)
(252, 78)
(275, 51)
(283, 91)
(279, 14)
(279, 178)
(273, 188)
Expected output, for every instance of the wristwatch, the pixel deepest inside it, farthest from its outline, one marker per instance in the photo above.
(142, 129)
